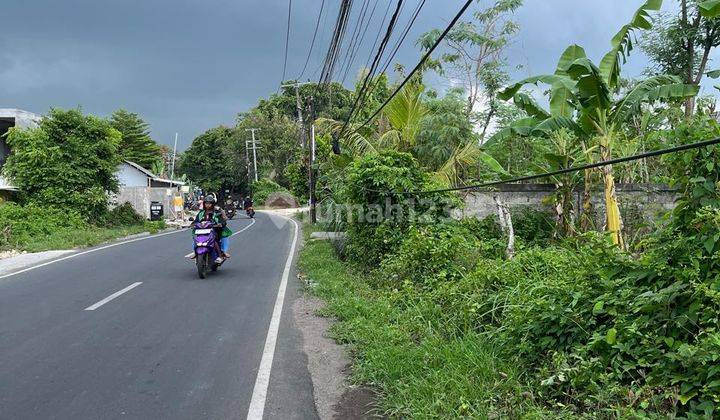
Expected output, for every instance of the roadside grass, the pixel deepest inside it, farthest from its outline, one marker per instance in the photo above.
(85, 237)
(427, 374)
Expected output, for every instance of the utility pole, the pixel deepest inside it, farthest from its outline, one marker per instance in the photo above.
(254, 148)
(172, 164)
(247, 162)
(313, 212)
(298, 106)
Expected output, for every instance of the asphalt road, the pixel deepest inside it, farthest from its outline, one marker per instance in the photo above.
(172, 347)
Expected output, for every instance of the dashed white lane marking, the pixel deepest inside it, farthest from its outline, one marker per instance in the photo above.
(259, 395)
(113, 296)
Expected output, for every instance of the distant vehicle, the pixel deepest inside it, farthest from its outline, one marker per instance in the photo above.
(230, 208)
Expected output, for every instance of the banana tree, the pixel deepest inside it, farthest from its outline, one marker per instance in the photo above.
(584, 99)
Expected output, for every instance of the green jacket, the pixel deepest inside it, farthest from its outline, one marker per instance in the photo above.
(218, 218)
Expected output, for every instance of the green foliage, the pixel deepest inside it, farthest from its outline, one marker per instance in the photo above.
(444, 128)
(21, 224)
(332, 101)
(381, 213)
(263, 188)
(68, 162)
(206, 163)
(122, 215)
(696, 172)
(279, 144)
(296, 176)
(136, 144)
(35, 228)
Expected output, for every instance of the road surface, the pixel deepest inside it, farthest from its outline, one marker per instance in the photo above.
(130, 332)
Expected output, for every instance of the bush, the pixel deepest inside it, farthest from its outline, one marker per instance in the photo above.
(122, 215)
(21, 225)
(381, 213)
(263, 188)
(68, 162)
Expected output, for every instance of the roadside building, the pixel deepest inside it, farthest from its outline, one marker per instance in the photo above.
(9, 118)
(140, 188)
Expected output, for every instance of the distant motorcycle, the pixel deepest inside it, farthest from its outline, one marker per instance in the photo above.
(250, 211)
(206, 248)
(230, 209)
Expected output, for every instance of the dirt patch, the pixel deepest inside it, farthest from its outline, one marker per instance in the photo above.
(328, 364)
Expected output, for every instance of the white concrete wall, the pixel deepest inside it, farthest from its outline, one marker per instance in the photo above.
(131, 177)
(23, 119)
(141, 197)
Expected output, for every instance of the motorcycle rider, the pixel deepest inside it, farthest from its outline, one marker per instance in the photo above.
(217, 215)
(247, 202)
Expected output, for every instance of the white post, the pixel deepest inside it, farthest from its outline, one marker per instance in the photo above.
(172, 164)
(254, 155)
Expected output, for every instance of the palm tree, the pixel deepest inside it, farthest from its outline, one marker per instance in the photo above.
(582, 100)
(398, 129)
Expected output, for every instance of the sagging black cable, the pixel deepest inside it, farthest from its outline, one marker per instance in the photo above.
(624, 159)
(312, 43)
(373, 67)
(419, 64)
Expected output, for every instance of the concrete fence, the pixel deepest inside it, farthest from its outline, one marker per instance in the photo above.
(645, 201)
(141, 197)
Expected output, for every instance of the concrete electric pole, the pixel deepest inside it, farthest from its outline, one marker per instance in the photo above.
(254, 148)
(298, 106)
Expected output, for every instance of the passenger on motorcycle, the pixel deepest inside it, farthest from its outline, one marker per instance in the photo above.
(219, 219)
(247, 202)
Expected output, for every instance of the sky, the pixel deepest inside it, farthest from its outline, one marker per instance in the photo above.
(188, 65)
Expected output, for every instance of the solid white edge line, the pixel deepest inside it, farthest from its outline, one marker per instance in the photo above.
(244, 229)
(259, 395)
(90, 251)
(113, 296)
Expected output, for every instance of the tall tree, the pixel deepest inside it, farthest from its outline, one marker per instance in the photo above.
(136, 145)
(681, 44)
(206, 161)
(475, 54)
(69, 161)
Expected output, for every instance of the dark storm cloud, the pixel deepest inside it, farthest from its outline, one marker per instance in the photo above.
(187, 65)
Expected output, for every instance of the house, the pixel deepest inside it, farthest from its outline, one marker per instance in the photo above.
(9, 118)
(140, 188)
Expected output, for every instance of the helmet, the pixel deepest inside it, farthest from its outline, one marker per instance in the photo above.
(210, 199)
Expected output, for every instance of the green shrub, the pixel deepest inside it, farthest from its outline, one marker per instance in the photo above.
(122, 215)
(430, 254)
(68, 162)
(263, 188)
(381, 212)
(22, 224)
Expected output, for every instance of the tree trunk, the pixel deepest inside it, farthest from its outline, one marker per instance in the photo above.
(612, 209)
(506, 225)
(587, 221)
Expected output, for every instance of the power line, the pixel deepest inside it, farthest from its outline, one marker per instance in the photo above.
(312, 43)
(357, 29)
(287, 39)
(359, 43)
(361, 92)
(405, 33)
(399, 43)
(335, 42)
(419, 64)
(645, 155)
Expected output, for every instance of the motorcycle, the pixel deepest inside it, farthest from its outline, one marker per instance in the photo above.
(206, 248)
(230, 210)
(250, 211)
